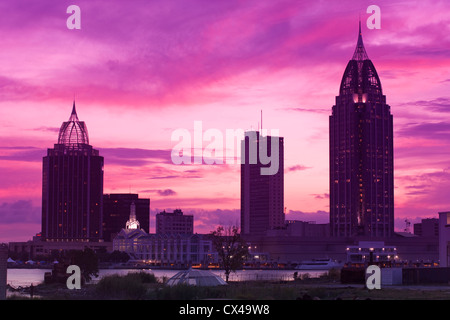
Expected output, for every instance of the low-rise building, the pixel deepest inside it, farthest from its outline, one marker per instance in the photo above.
(374, 251)
(166, 250)
(37, 248)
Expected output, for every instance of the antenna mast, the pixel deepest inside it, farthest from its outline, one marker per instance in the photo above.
(261, 121)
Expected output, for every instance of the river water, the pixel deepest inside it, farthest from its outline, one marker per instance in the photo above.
(26, 277)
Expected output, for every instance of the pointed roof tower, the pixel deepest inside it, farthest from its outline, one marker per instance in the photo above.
(360, 75)
(73, 132)
(360, 53)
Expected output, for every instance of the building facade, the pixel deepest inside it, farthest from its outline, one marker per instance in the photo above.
(444, 239)
(116, 212)
(427, 228)
(361, 153)
(262, 193)
(174, 223)
(166, 250)
(72, 186)
(37, 249)
(3, 270)
(371, 251)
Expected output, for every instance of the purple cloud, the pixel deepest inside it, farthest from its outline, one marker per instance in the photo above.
(297, 167)
(20, 211)
(321, 196)
(441, 104)
(163, 193)
(427, 130)
(134, 157)
(313, 110)
(319, 216)
(28, 154)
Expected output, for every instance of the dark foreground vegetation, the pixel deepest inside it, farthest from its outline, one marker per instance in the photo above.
(145, 286)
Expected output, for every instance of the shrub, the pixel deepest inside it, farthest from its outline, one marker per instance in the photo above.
(142, 276)
(131, 286)
(334, 274)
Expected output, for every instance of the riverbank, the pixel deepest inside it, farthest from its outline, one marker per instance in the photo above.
(144, 286)
(25, 277)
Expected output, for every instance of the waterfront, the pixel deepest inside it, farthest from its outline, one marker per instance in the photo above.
(25, 277)
(140, 288)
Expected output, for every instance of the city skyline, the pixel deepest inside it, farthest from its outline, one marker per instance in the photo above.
(140, 72)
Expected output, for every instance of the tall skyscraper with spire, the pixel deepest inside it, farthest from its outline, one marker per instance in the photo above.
(72, 186)
(361, 153)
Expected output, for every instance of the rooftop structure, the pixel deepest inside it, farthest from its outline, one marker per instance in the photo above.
(73, 133)
(196, 278)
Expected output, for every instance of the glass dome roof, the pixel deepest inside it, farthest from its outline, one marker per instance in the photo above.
(196, 278)
(73, 132)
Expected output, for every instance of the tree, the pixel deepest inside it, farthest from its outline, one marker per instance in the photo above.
(118, 256)
(87, 260)
(231, 248)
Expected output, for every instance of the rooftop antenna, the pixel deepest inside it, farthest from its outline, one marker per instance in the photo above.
(360, 33)
(408, 225)
(261, 121)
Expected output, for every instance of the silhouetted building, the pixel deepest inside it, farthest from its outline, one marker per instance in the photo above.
(174, 223)
(307, 228)
(427, 228)
(116, 212)
(444, 239)
(361, 153)
(3, 270)
(262, 183)
(72, 186)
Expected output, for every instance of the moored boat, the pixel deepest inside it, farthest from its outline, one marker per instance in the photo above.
(319, 264)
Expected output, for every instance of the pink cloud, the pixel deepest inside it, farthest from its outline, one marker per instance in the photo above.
(140, 70)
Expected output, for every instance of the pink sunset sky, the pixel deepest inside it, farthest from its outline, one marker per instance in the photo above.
(139, 70)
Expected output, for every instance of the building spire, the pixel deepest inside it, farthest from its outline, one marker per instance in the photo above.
(360, 34)
(360, 52)
(73, 115)
(132, 223)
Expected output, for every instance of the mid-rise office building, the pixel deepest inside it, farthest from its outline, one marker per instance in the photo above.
(174, 223)
(262, 192)
(427, 228)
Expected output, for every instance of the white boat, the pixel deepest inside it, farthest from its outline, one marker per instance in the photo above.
(319, 264)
